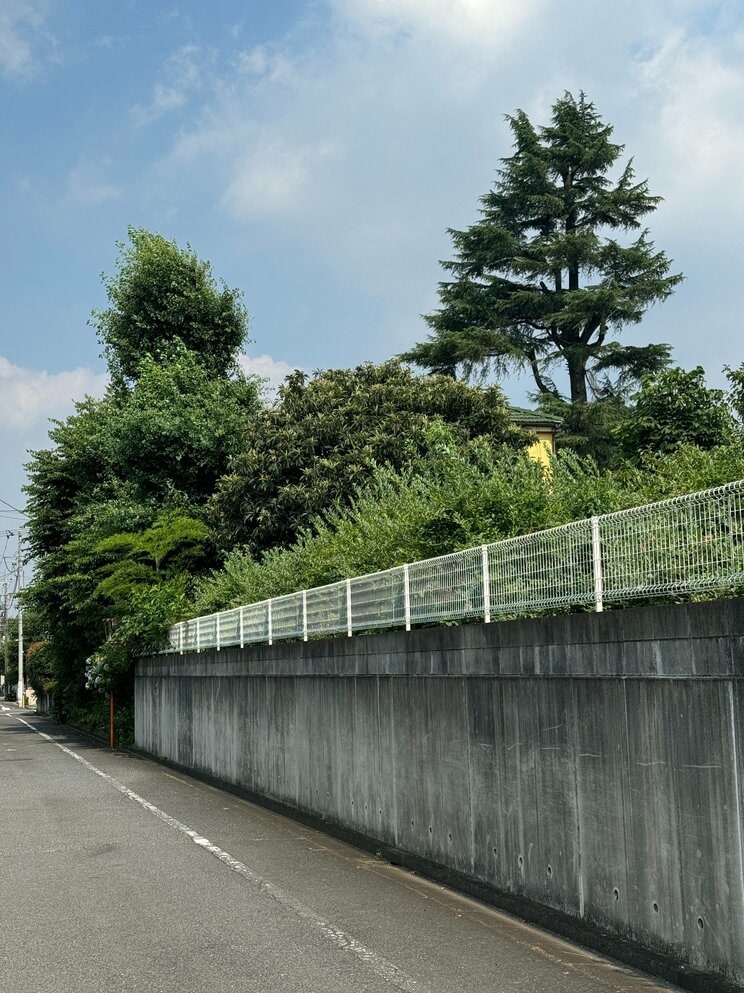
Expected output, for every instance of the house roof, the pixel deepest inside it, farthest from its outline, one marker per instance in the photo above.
(533, 418)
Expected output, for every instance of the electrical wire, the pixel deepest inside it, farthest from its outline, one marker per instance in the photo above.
(16, 509)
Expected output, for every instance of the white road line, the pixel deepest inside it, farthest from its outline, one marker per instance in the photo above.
(377, 963)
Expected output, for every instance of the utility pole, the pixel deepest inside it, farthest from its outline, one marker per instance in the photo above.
(5, 631)
(19, 587)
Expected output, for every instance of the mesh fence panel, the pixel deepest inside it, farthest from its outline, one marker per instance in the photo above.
(546, 569)
(326, 609)
(286, 617)
(446, 587)
(229, 622)
(693, 543)
(378, 600)
(684, 545)
(208, 631)
(189, 642)
(256, 623)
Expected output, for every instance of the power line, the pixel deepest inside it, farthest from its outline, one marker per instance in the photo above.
(16, 509)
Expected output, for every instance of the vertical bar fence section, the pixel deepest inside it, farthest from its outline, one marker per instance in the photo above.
(349, 621)
(597, 565)
(486, 584)
(407, 595)
(688, 545)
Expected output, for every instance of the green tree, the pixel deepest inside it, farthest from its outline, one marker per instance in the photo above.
(541, 281)
(162, 294)
(736, 391)
(134, 463)
(674, 408)
(114, 468)
(172, 435)
(118, 460)
(143, 586)
(172, 545)
(325, 436)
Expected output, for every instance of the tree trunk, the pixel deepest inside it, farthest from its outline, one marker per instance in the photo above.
(577, 376)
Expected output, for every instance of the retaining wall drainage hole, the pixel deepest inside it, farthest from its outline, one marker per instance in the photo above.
(520, 862)
(550, 872)
(701, 923)
(430, 829)
(656, 907)
(450, 836)
(616, 893)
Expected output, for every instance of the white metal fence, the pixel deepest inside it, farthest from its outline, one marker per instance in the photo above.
(689, 544)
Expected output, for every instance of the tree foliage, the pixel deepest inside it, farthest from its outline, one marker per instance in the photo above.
(123, 473)
(736, 390)
(162, 294)
(457, 495)
(117, 460)
(117, 502)
(173, 545)
(39, 667)
(325, 436)
(674, 408)
(542, 281)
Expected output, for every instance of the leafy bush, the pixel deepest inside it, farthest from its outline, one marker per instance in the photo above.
(325, 437)
(39, 667)
(143, 629)
(455, 496)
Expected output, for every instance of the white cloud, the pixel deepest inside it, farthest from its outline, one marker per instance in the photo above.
(482, 23)
(184, 74)
(86, 186)
(164, 99)
(273, 371)
(273, 177)
(22, 29)
(262, 61)
(697, 92)
(29, 397)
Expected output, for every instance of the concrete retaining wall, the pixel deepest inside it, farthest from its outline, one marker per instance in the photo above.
(592, 763)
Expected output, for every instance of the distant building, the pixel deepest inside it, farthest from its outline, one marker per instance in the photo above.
(543, 426)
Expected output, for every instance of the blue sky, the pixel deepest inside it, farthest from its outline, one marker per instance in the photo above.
(316, 152)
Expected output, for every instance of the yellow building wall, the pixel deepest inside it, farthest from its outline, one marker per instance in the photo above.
(543, 449)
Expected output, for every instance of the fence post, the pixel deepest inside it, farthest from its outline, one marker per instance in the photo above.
(348, 608)
(180, 637)
(304, 615)
(242, 633)
(731, 538)
(217, 630)
(407, 596)
(597, 566)
(486, 585)
(271, 633)
(198, 634)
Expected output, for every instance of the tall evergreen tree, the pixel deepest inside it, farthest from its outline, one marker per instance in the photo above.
(541, 281)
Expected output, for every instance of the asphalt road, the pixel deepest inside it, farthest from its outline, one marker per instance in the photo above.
(117, 874)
